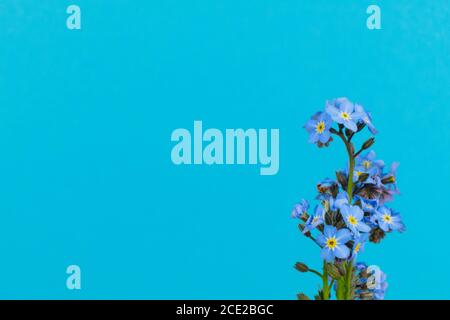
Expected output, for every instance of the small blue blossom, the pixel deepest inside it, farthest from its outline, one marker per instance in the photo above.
(366, 117)
(318, 128)
(341, 199)
(353, 217)
(315, 220)
(326, 186)
(376, 282)
(390, 179)
(371, 283)
(343, 112)
(333, 243)
(300, 208)
(359, 243)
(369, 164)
(388, 220)
(368, 205)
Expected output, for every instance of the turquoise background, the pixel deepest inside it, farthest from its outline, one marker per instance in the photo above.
(85, 124)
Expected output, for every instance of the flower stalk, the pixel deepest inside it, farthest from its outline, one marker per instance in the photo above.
(352, 210)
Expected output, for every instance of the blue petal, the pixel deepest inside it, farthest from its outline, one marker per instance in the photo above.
(321, 240)
(350, 125)
(327, 255)
(363, 227)
(383, 225)
(342, 252)
(357, 212)
(313, 138)
(332, 111)
(324, 137)
(343, 236)
(394, 167)
(372, 128)
(345, 105)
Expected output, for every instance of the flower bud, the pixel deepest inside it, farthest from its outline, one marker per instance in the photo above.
(302, 227)
(368, 143)
(342, 179)
(326, 144)
(363, 177)
(340, 267)
(361, 125)
(389, 179)
(376, 235)
(348, 133)
(366, 295)
(333, 271)
(301, 267)
(302, 296)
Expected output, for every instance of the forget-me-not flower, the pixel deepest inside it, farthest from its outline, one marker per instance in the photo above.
(353, 217)
(343, 112)
(333, 243)
(318, 128)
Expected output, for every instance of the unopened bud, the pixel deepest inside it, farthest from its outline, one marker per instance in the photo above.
(363, 177)
(348, 133)
(302, 229)
(333, 271)
(368, 143)
(342, 179)
(341, 268)
(389, 179)
(301, 267)
(302, 296)
(376, 235)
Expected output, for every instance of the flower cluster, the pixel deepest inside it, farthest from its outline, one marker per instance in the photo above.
(370, 282)
(353, 208)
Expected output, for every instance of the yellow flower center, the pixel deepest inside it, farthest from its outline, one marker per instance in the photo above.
(320, 127)
(387, 218)
(366, 164)
(331, 243)
(358, 173)
(352, 220)
(345, 115)
(357, 247)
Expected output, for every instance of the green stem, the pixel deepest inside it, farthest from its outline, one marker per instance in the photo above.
(350, 178)
(349, 280)
(325, 287)
(316, 272)
(351, 160)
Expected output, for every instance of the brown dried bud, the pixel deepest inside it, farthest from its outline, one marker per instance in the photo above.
(302, 228)
(301, 267)
(326, 144)
(333, 271)
(302, 296)
(363, 177)
(368, 143)
(342, 179)
(389, 179)
(349, 133)
(341, 268)
(376, 235)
